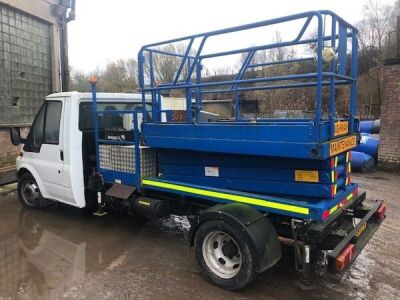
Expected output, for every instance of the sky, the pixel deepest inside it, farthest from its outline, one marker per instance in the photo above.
(107, 30)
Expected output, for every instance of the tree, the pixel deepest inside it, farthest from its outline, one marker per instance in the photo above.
(165, 66)
(280, 53)
(79, 81)
(376, 25)
(117, 77)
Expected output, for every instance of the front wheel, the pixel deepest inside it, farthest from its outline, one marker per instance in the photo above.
(28, 192)
(224, 256)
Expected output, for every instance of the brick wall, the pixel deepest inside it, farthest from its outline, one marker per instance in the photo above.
(8, 154)
(389, 149)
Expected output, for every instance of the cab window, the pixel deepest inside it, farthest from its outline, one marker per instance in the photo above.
(52, 123)
(46, 127)
(37, 128)
(109, 121)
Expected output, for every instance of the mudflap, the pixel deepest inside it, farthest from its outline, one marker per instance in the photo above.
(258, 231)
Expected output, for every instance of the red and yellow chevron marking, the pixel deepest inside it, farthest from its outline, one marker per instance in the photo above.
(334, 208)
(334, 162)
(333, 190)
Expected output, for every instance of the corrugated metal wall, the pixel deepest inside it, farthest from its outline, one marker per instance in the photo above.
(25, 66)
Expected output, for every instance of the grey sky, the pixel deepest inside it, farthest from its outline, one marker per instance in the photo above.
(107, 30)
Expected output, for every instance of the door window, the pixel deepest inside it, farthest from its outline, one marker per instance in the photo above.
(37, 129)
(52, 123)
(46, 127)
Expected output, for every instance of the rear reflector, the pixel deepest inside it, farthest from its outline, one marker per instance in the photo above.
(380, 212)
(345, 257)
(325, 214)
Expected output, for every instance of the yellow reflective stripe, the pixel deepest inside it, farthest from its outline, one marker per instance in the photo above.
(335, 189)
(144, 203)
(333, 209)
(336, 161)
(349, 197)
(347, 156)
(349, 168)
(347, 180)
(225, 196)
(333, 176)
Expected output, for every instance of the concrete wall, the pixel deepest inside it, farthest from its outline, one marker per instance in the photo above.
(43, 9)
(29, 45)
(389, 149)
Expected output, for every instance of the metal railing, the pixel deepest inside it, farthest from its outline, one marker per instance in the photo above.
(195, 87)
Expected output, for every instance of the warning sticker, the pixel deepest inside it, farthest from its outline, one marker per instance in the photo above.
(341, 127)
(211, 171)
(306, 176)
(342, 145)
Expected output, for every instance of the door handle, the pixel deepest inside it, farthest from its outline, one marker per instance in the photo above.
(62, 155)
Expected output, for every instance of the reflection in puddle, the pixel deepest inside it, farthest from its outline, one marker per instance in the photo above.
(52, 250)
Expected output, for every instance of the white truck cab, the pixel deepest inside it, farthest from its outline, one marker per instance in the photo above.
(59, 152)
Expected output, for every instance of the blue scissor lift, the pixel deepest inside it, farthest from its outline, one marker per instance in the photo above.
(282, 147)
(293, 169)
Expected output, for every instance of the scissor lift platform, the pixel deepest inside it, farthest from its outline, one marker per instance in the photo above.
(294, 139)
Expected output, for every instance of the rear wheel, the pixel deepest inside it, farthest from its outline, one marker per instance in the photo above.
(28, 191)
(224, 255)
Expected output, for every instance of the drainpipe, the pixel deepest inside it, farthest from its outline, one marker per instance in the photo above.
(64, 48)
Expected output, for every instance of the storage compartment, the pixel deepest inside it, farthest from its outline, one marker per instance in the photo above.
(122, 159)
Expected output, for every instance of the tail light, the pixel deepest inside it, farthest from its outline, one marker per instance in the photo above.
(325, 214)
(380, 212)
(345, 257)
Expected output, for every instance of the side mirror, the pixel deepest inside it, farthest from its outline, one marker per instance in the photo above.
(15, 136)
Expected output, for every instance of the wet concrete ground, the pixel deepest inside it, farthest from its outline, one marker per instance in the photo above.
(63, 253)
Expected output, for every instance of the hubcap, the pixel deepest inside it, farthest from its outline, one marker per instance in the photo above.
(30, 192)
(222, 254)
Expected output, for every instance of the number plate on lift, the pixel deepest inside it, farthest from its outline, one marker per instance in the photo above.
(362, 228)
(342, 145)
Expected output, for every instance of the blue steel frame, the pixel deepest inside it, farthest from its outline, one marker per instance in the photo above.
(336, 76)
(127, 178)
(304, 134)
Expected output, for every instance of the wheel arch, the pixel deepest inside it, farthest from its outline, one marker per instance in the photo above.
(255, 227)
(25, 169)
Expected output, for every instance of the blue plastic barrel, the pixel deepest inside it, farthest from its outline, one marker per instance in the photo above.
(366, 126)
(370, 126)
(362, 162)
(376, 126)
(368, 145)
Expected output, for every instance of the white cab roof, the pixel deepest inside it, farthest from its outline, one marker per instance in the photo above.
(101, 96)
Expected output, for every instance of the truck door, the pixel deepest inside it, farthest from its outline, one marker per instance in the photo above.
(45, 148)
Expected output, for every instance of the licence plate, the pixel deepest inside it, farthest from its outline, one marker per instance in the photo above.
(362, 228)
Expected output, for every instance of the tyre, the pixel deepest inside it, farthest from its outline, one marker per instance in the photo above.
(224, 256)
(28, 192)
